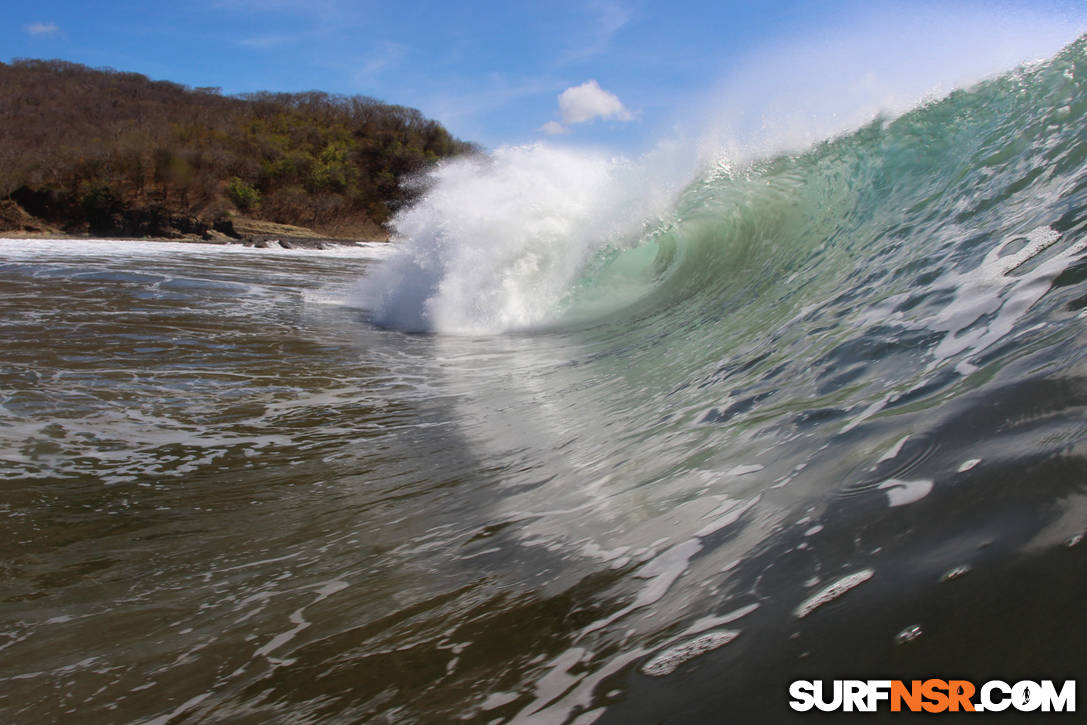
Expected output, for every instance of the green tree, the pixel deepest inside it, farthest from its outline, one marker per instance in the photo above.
(244, 195)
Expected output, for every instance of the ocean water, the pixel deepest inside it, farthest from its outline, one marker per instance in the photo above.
(614, 446)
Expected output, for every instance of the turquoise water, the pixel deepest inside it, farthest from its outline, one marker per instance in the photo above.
(585, 454)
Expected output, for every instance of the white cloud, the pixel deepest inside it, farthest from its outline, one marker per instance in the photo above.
(43, 28)
(554, 128)
(589, 101)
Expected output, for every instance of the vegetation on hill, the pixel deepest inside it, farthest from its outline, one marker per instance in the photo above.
(112, 153)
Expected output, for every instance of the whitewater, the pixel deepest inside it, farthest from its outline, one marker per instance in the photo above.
(596, 439)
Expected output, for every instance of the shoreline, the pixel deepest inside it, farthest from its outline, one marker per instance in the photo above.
(16, 223)
(313, 240)
(323, 244)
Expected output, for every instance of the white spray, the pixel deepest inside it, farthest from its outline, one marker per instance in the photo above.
(497, 241)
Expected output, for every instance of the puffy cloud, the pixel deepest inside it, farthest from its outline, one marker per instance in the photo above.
(42, 29)
(589, 101)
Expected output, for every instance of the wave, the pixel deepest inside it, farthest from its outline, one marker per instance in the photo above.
(538, 236)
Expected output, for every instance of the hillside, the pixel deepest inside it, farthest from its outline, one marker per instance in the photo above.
(108, 153)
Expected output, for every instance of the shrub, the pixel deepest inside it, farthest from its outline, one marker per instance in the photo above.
(244, 195)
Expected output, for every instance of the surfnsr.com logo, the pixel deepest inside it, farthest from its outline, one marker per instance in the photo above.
(932, 696)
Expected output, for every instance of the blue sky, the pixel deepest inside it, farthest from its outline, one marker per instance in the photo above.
(618, 73)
